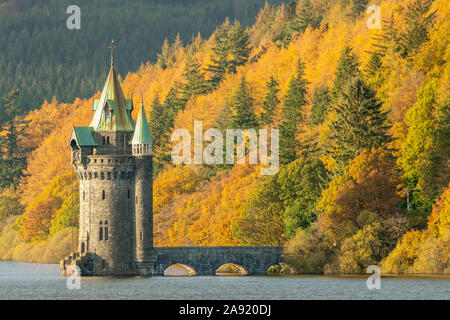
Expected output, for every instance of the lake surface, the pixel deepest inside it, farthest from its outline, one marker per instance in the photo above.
(42, 281)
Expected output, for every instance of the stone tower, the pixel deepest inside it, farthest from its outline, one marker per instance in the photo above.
(143, 162)
(113, 161)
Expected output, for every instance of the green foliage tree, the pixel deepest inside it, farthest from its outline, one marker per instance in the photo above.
(219, 60)
(418, 20)
(231, 49)
(244, 117)
(12, 153)
(291, 115)
(159, 121)
(282, 203)
(426, 150)
(308, 251)
(270, 102)
(195, 83)
(67, 215)
(301, 184)
(359, 124)
(307, 15)
(239, 47)
(353, 8)
(348, 68)
(320, 105)
(262, 223)
(9, 206)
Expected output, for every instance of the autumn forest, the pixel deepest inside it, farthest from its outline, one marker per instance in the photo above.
(363, 112)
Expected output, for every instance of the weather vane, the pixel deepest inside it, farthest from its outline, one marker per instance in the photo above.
(112, 47)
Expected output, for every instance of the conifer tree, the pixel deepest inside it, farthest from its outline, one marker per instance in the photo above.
(219, 65)
(320, 105)
(372, 72)
(244, 117)
(307, 16)
(359, 124)
(418, 22)
(159, 121)
(195, 83)
(231, 49)
(270, 102)
(225, 117)
(13, 159)
(291, 115)
(239, 47)
(347, 69)
(374, 65)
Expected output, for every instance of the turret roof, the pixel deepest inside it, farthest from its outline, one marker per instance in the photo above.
(141, 132)
(112, 110)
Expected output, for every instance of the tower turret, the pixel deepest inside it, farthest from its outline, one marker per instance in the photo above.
(142, 152)
(142, 140)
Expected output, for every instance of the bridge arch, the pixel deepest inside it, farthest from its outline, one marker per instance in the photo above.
(281, 268)
(179, 269)
(230, 268)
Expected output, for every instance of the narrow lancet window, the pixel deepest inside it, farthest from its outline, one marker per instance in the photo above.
(106, 230)
(100, 232)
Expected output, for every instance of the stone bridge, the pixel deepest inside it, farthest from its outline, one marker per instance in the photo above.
(206, 260)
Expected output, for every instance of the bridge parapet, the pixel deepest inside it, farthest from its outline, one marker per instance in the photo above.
(206, 260)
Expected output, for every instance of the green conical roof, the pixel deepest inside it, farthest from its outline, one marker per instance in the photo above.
(141, 132)
(112, 110)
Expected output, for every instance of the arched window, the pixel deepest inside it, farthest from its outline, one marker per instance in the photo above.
(107, 140)
(103, 195)
(104, 140)
(83, 195)
(106, 230)
(100, 232)
(129, 194)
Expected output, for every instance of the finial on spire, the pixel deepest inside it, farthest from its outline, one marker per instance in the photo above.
(142, 100)
(112, 47)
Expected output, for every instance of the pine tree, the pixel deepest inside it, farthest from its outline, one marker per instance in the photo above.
(195, 83)
(388, 38)
(13, 155)
(320, 105)
(173, 104)
(359, 123)
(290, 25)
(161, 124)
(244, 117)
(307, 16)
(219, 64)
(373, 66)
(291, 115)
(239, 47)
(418, 22)
(372, 72)
(270, 102)
(159, 121)
(348, 67)
(225, 117)
(353, 8)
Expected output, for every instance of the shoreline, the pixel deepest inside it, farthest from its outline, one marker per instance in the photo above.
(306, 275)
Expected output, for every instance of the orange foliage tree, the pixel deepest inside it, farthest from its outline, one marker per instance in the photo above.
(370, 184)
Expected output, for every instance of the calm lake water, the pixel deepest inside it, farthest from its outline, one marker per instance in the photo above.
(39, 281)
